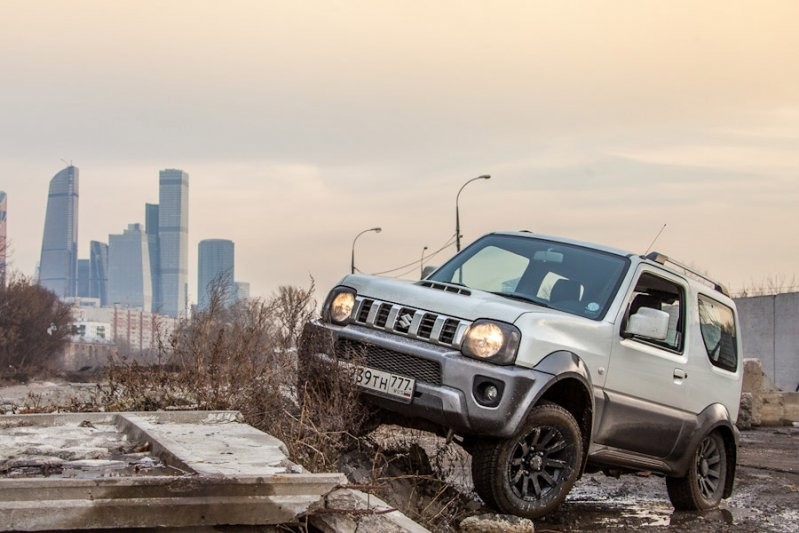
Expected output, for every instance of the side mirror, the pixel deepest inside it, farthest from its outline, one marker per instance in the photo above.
(649, 323)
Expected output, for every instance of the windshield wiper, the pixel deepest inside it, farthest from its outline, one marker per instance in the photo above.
(523, 298)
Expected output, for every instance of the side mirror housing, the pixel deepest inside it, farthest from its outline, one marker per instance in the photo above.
(648, 323)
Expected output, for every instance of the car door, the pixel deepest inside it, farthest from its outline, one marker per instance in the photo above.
(644, 393)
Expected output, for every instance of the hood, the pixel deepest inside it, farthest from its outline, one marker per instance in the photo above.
(468, 304)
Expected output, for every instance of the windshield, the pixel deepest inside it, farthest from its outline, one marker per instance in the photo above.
(574, 279)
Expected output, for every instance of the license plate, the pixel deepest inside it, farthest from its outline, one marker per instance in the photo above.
(392, 385)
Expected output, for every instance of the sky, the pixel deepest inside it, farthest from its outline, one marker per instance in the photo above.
(302, 123)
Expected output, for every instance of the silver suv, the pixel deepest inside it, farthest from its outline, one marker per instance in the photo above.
(547, 358)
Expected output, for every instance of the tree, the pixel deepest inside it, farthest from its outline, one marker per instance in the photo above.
(34, 325)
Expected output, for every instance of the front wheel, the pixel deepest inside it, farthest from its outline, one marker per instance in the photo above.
(531, 473)
(703, 486)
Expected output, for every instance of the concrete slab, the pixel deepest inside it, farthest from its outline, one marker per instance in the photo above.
(229, 473)
(352, 511)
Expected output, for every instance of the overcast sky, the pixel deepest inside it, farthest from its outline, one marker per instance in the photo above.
(302, 123)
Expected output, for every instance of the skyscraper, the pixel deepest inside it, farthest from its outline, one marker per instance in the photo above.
(98, 275)
(84, 271)
(151, 229)
(215, 267)
(129, 269)
(3, 241)
(173, 239)
(58, 266)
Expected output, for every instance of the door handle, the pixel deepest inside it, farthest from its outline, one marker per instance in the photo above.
(679, 373)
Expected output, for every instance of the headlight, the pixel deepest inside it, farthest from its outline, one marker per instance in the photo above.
(496, 342)
(342, 300)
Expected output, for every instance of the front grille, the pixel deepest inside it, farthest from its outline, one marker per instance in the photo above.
(410, 322)
(449, 331)
(382, 315)
(387, 360)
(426, 325)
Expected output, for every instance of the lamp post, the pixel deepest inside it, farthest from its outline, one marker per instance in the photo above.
(421, 263)
(352, 264)
(457, 213)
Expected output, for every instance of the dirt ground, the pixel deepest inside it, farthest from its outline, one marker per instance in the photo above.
(765, 497)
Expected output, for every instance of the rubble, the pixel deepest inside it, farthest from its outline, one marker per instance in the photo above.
(769, 406)
(496, 523)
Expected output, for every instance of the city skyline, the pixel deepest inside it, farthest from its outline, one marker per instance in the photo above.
(302, 127)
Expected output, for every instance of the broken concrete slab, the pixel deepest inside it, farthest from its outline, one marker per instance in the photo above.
(352, 511)
(230, 473)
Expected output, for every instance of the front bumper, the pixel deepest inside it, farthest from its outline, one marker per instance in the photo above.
(448, 401)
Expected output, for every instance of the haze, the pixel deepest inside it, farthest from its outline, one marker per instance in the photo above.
(303, 123)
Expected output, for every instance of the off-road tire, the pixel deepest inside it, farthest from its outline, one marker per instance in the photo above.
(703, 486)
(531, 473)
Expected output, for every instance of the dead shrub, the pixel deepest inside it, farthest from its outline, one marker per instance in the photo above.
(244, 357)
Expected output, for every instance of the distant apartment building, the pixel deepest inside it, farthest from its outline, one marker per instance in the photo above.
(129, 283)
(3, 241)
(58, 264)
(173, 239)
(215, 271)
(98, 271)
(135, 330)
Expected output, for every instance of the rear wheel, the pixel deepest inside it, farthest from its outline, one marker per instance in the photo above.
(531, 473)
(703, 486)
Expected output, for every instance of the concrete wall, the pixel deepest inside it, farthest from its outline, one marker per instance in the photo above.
(770, 332)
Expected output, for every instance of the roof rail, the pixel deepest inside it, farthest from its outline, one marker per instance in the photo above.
(662, 259)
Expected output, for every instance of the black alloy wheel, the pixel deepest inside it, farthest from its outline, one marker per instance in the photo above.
(531, 473)
(703, 486)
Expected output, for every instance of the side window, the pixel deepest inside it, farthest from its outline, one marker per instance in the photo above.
(717, 323)
(661, 294)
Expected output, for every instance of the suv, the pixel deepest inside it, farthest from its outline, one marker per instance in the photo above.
(547, 358)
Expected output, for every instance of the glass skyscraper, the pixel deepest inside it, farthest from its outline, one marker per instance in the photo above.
(129, 269)
(84, 271)
(98, 274)
(58, 265)
(215, 268)
(173, 240)
(151, 229)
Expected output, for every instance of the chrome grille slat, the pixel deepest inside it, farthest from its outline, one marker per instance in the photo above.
(425, 325)
(391, 321)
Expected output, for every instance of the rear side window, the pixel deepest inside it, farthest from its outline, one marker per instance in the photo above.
(717, 324)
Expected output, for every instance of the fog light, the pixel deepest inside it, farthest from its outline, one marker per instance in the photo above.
(491, 393)
(488, 391)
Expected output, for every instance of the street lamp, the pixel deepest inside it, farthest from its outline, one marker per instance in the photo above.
(421, 263)
(457, 214)
(352, 265)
